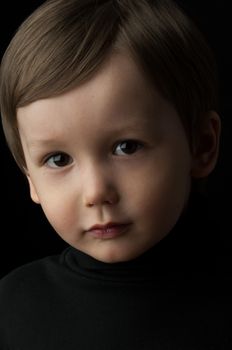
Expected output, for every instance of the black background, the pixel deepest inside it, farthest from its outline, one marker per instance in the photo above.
(25, 233)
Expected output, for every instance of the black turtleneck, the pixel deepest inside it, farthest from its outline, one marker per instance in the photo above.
(175, 296)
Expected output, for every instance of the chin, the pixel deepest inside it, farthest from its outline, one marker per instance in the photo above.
(115, 256)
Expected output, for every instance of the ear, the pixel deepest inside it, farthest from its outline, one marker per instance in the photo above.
(33, 192)
(206, 148)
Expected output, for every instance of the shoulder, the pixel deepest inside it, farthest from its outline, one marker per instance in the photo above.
(16, 290)
(34, 278)
(31, 276)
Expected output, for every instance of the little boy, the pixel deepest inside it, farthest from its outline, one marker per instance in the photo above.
(109, 109)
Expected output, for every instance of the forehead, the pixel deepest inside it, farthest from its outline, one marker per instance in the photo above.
(117, 93)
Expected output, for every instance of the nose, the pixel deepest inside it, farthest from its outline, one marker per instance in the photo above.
(99, 188)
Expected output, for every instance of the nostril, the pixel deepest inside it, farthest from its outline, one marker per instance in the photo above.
(105, 202)
(90, 205)
(99, 199)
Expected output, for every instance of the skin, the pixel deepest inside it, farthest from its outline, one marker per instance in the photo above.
(111, 150)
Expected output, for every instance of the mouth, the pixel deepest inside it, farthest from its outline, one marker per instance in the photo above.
(108, 231)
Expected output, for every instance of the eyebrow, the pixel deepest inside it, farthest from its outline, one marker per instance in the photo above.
(44, 143)
(128, 126)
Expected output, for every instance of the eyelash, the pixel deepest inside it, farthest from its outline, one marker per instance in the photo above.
(135, 146)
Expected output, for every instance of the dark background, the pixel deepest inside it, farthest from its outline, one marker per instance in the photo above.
(25, 233)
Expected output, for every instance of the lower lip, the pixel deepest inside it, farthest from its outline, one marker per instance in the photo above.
(111, 232)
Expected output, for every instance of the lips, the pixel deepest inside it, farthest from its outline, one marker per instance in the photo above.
(107, 231)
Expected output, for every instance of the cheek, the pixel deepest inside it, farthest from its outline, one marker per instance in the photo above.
(60, 212)
(161, 190)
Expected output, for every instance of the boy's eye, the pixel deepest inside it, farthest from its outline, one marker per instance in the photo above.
(127, 147)
(58, 160)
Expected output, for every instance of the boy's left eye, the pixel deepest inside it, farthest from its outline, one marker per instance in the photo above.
(127, 147)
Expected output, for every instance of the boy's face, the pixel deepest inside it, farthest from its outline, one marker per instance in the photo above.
(110, 152)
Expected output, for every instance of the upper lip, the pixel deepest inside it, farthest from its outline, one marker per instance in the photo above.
(105, 226)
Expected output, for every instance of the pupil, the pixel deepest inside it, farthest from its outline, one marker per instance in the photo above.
(60, 159)
(129, 147)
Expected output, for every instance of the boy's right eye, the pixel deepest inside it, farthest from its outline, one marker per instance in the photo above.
(58, 160)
